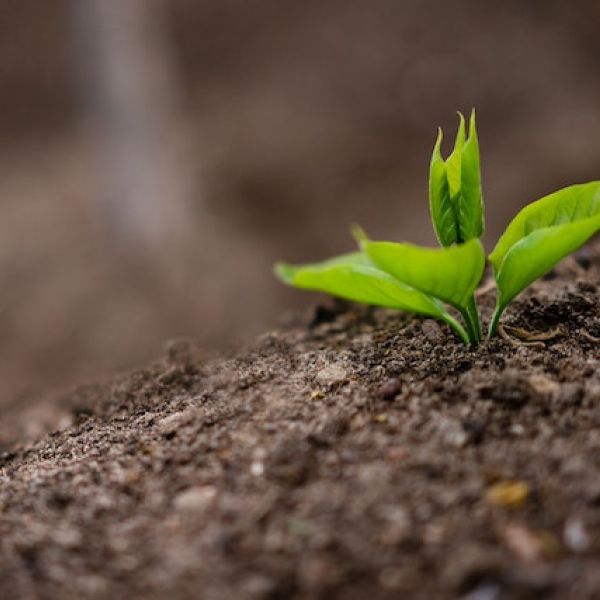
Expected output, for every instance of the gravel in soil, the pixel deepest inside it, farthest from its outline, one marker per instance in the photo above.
(357, 454)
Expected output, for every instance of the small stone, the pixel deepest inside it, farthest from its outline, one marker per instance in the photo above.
(485, 591)
(196, 499)
(509, 494)
(331, 375)
(522, 542)
(452, 433)
(169, 425)
(257, 468)
(389, 389)
(543, 386)
(516, 429)
(575, 536)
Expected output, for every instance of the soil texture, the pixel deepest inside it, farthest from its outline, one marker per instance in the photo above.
(356, 453)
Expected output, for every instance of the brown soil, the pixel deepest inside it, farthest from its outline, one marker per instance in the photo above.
(366, 454)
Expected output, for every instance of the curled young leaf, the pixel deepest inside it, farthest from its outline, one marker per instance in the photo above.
(440, 205)
(541, 235)
(455, 198)
(450, 274)
(470, 199)
(454, 161)
(354, 277)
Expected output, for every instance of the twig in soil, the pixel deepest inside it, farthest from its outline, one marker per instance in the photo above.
(517, 342)
(534, 336)
(588, 336)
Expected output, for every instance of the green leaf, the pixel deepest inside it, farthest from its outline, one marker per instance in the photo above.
(470, 200)
(454, 161)
(455, 198)
(542, 234)
(441, 208)
(354, 277)
(450, 274)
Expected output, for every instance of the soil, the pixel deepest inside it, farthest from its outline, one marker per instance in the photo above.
(356, 453)
(295, 120)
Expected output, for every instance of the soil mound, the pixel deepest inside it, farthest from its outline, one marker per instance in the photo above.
(363, 454)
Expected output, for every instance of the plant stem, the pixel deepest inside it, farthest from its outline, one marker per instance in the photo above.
(471, 318)
(495, 319)
(458, 328)
(468, 326)
(473, 315)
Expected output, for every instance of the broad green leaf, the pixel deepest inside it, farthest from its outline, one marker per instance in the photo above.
(441, 208)
(568, 205)
(470, 200)
(455, 199)
(542, 234)
(450, 274)
(354, 277)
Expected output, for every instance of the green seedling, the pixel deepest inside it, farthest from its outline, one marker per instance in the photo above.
(542, 234)
(433, 281)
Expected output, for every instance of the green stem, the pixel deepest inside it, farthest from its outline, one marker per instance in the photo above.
(471, 319)
(495, 319)
(473, 315)
(458, 328)
(468, 325)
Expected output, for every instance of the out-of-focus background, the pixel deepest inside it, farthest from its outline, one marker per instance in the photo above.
(157, 156)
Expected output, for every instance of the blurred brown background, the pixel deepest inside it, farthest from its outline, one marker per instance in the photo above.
(156, 157)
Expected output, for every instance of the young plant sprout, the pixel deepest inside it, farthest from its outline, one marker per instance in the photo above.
(425, 281)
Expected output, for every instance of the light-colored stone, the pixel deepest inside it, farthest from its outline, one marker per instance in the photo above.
(196, 499)
(543, 385)
(172, 423)
(331, 374)
(575, 535)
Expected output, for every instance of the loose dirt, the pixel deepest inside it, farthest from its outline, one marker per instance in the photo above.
(357, 453)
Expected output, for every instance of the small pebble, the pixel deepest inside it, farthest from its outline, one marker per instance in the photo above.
(575, 536)
(196, 499)
(522, 542)
(485, 591)
(169, 425)
(331, 375)
(389, 389)
(510, 494)
(452, 433)
(543, 386)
